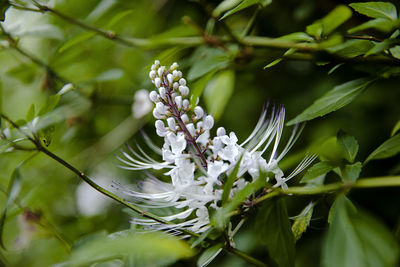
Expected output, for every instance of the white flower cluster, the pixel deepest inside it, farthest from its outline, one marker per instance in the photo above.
(196, 163)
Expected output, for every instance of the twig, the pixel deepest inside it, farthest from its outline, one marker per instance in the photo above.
(13, 43)
(373, 182)
(370, 38)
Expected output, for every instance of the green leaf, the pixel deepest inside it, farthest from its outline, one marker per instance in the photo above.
(221, 216)
(4, 5)
(214, 59)
(110, 75)
(395, 129)
(147, 247)
(382, 25)
(351, 172)
(14, 187)
(225, 6)
(376, 10)
(30, 114)
(199, 86)
(335, 99)
(349, 145)
(382, 46)
(351, 48)
(275, 231)
(218, 91)
(229, 182)
(50, 104)
(317, 170)
(25, 73)
(202, 237)
(77, 39)
(273, 63)
(297, 37)
(209, 255)
(395, 51)
(245, 4)
(276, 61)
(330, 22)
(356, 239)
(302, 221)
(119, 17)
(388, 149)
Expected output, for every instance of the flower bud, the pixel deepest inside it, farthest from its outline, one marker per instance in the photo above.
(177, 74)
(185, 118)
(153, 96)
(161, 71)
(184, 90)
(174, 66)
(175, 85)
(182, 81)
(191, 129)
(162, 92)
(199, 112)
(171, 124)
(157, 82)
(170, 78)
(185, 104)
(178, 101)
(221, 131)
(152, 74)
(157, 114)
(160, 125)
(208, 122)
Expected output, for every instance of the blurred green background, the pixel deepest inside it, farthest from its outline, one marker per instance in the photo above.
(54, 208)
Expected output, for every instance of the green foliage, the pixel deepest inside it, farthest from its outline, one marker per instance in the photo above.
(317, 170)
(245, 4)
(209, 255)
(376, 10)
(208, 60)
(220, 218)
(349, 145)
(275, 231)
(146, 247)
(389, 148)
(218, 92)
(68, 76)
(302, 221)
(335, 99)
(229, 182)
(330, 22)
(355, 239)
(384, 14)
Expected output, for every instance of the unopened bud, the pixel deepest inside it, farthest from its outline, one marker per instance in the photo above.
(199, 112)
(153, 96)
(171, 124)
(208, 122)
(221, 131)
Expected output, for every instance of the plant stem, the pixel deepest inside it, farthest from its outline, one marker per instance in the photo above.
(14, 44)
(373, 182)
(89, 181)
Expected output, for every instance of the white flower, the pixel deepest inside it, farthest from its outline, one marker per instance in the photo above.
(197, 164)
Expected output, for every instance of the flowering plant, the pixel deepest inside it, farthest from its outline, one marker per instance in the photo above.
(197, 164)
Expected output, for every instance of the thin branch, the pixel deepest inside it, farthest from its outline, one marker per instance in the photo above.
(369, 38)
(13, 43)
(246, 257)
(89, 181)
(143, 213)
(373, 182)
